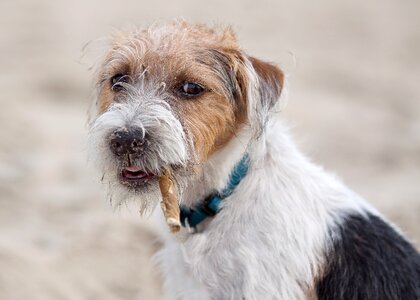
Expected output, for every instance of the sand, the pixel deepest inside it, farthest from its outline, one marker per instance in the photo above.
(354, 107)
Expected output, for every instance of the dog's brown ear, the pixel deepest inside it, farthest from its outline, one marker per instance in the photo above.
(271, 81)
(267, 87)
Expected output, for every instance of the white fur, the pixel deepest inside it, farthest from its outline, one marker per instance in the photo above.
(150, 115)
(269, 240)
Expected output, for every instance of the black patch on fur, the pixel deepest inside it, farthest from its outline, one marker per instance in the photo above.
(370, 260)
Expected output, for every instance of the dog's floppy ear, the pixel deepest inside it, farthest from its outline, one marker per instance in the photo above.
(266, 84)
(271, 80)
(254, 85)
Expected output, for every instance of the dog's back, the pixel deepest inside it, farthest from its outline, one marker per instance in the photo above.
(369, 260)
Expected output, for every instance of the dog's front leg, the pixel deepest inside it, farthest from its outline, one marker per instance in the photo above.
(179, 282)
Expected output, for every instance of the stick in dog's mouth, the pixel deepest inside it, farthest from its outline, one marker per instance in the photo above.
(169, 204)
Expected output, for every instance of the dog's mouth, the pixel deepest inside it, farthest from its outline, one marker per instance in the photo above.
(134, 176)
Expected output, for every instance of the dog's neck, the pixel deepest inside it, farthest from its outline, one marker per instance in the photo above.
(215, 173)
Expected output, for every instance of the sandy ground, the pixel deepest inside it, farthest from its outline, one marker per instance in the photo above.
(354, 71)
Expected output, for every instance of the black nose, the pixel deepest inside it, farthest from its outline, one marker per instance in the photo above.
(126, 142)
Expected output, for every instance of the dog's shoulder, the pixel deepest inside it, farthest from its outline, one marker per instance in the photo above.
(370, 260)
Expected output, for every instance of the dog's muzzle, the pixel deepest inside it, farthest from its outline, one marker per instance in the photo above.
(133, 141)
(128, 145)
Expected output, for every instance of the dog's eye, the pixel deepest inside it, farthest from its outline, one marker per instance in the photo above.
(117, 80)
(191, 89)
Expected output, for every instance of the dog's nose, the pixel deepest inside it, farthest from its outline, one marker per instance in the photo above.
(126, 142)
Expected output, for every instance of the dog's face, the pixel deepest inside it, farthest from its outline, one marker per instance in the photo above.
(171, 97)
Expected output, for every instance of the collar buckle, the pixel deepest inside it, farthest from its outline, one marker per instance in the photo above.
(209, 207)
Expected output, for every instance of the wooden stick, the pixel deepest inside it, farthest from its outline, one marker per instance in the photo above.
(169, 204)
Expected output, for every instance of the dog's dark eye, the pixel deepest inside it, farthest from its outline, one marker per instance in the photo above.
(117, 80)
(191, 89)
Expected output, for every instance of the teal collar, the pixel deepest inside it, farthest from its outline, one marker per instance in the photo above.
(211, 205)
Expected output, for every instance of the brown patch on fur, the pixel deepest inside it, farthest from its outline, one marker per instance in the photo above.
(269, 74)
(311, 294)
(109, 68)
(210, 122)
(271, 82)
(106, 97)
(310, 290)
(215, 119)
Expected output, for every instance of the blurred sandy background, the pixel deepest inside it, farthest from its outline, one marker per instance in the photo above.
(354, 70)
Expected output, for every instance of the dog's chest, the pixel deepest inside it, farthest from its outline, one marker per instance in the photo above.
(242, 263)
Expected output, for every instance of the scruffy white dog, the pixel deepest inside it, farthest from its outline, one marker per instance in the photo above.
(260, 220)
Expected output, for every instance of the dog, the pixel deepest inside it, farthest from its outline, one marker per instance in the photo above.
(260, 221)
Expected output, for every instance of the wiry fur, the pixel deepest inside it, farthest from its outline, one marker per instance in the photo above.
(167, 142)
(258, 244)
(276, 236)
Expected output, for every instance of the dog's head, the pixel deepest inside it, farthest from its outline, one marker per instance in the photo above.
(172, 96)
